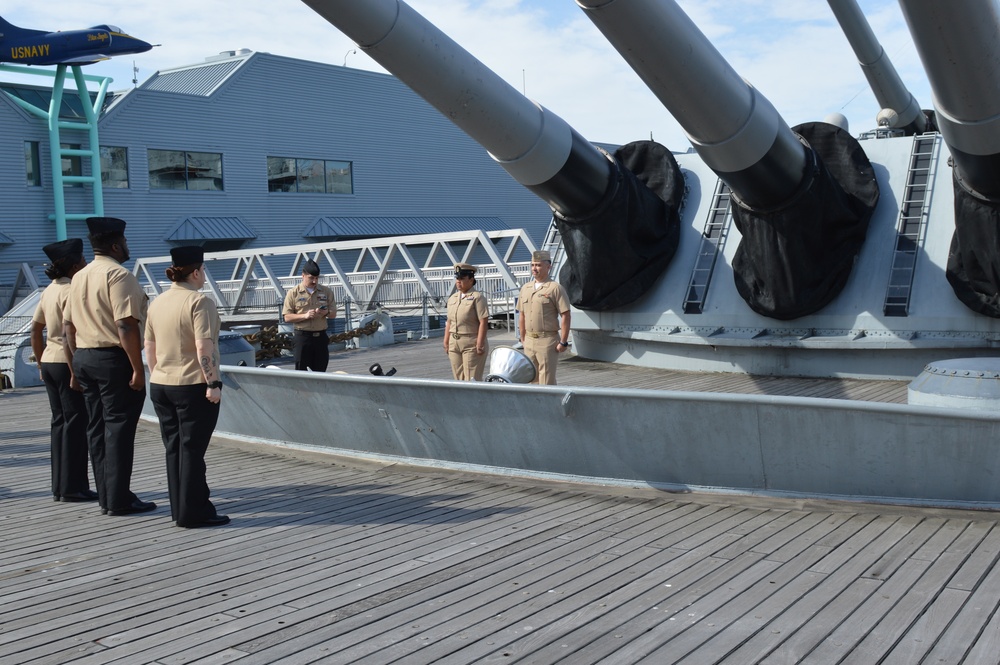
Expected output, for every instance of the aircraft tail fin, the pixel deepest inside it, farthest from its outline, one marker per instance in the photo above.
(9, 30)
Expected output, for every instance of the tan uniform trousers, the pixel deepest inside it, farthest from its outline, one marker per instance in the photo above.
(466, 364)
(542, 352)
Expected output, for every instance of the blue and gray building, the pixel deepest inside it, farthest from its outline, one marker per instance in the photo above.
(251, 149)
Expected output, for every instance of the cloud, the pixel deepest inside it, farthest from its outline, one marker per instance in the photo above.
(793, 52)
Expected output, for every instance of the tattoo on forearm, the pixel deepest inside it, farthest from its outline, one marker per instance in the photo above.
(207, 366)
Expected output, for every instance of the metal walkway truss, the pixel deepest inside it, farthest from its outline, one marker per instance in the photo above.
(401, 273)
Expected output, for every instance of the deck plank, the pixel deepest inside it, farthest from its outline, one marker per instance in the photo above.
(981, 606)
(334, 561)
(577, 371)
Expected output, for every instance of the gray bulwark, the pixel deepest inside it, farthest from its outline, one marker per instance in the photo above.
(783, 446)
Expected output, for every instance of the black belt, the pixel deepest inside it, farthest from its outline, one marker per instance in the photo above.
(310, 333)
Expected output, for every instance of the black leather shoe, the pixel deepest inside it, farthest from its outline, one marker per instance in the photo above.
(217, 520)
(136, 506)
(77, 497)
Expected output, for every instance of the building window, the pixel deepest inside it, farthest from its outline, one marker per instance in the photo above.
(72, 165)
(32, 165)
(179, 169)
(338, 178)
(289, 174)
(310, 175)
(114, 167)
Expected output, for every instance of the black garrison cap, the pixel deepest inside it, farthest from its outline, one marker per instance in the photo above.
(188, 255)
(310, 268)
(64, 249)
(105, 225)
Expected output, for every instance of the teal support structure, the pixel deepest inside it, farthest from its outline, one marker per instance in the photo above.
(90, 150)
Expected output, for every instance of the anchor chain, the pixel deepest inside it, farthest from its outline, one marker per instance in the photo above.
(272, 342)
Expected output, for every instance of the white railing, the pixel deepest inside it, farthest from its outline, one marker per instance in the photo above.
(384, 271)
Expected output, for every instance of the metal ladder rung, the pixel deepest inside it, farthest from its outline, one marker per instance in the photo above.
(910, 226)
(714, 234)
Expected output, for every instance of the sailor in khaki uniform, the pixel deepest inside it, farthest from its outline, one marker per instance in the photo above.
(103, 322)
(544, 318)
(69, 411)
(308, 306)
(467, 325)
(185, 386)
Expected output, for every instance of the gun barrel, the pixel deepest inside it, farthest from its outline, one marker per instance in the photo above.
(535, 146)
(957, 43)
(734, 128)
(888, 87)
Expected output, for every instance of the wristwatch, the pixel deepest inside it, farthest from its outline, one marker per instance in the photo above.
(215, 384)
(566, 344)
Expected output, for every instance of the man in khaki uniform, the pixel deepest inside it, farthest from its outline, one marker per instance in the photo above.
(308, 306)
(544, 319)
(103, 323)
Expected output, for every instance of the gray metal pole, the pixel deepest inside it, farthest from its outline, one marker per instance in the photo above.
(734, 128)
(538, 148)
(959, 47)
(889, 90)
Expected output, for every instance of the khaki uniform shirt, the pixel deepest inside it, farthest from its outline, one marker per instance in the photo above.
(543, 305)
(100, 294)
(50, 314)
(299, 301)
(465, 312)
(177, 318)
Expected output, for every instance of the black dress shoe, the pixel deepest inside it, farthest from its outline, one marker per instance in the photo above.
(136, 506)
(216, 520)
(77, 497)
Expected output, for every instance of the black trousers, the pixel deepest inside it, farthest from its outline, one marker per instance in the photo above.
(312, 350)
(187, 421)
(113, 411)
(69, 431)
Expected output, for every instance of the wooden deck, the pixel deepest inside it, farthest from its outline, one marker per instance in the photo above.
(331, 561)
(427, 359)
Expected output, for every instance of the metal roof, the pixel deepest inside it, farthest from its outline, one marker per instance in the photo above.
(210, 228)
(42, 99)
(202, 79)
(355, 227)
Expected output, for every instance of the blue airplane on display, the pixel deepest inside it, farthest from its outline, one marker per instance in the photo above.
(70, 47)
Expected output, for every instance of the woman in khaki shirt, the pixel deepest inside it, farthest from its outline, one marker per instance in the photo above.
(182, 340)
(467, 325)
(69, 412)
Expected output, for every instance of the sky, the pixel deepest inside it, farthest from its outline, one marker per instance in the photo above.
(792, 51)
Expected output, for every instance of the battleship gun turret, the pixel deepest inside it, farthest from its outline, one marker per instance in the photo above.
(899, 109)
(625, 205)
(803, 199)
(957, 43)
